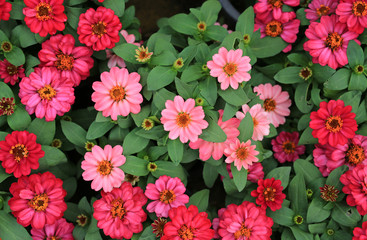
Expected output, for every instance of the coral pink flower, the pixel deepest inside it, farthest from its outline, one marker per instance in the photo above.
(328, 41)
(166, 193)
(20, 152)
(333, 123)
(182, 119)
(360, 233)
(11, 73)
(213, 149)
(5, 8)
(354, 14)
(269, 194)
(276, 102)
(241, 153)
(99, 28)
(61, 229)
(322, 158)
(46, 93)
(102, 166)
(44, 16)
(260, 119)
(355, 186)
(286, 148)
(120, 213)
(230, 67)
(318, 8)
(273, 8)
(37, 200)
(254, 172)
(187, 223)
(244, 222)
(118, 93)
(72, 62)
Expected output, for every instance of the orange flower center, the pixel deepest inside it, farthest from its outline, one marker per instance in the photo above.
(44, 11)
(186, 233)
(54, 238)
(12, 70)
(273, 28)
(289, 147)
(255, 122)
(39, 202)
(201, 26)
(242, 232)
(276, 3)
(183, 119)
(117, 208)
(117, 93)
(269, 194)
(242, 153)
(334, 123)
(47, 92)
(334, 41)
(19, 151)
(167, 196)
(142, 54)
(269, 104)
(104, 167)
(354, 154)
(230, 69)
(322, 10)
(64, 62)
(99, 29)
(360, 8)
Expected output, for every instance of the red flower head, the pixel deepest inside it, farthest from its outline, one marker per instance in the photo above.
(37, 200)
(354, 14)
(99, 28)
(360, 233)
(269, 194)
(7, 106)
(61, 229)
(11, 73)
(273, 8)
(19, 153)
(187, 223)
(5, 8)
(44, 16)
(286, 148)
(333, 123)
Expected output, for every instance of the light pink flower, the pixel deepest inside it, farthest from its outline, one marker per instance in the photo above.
(166, 193)
(102, 166)
(241, 153)
(230, 67)
(214, 149)
(286, 148)
(61, 229)
(354, 14)
(265, 8)
(276, 102)
(319, 8)
(182, 119)
(118, 93)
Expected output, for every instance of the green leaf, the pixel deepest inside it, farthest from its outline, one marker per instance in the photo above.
(307, 138)
(301, 98)
(160, 98)
(239, 177)
(74, 133)
(281, 173)
(69, 185)
(299, 234)
(283, 216)
(301, 15)
(339, 80)
(322, 73)
(117, 6)
(169, 169)
(166, 58)
(15, 56)
(357, 82)
(229, 112)
(192, 73)
(5, 91)
(334, 176)
(245, 22)
(246, 128)
(289, 75)
(135, 166)
(309, 171)
(10, 229)
(53, 157)
(213, 133)
(175, 150)
(200, 199)
(20, 119)
(183, 23)
(297, 195)
(3, 175)
(303, 122)
(210, 10)
(160, 77)
(299, 59)
(98, 129)
(134, 143)
(355, 54)
(73, 14)
(352, 98)
(74, 2)
(210, 174)
(236, 97)
(267, 46)
(208, 89)
(143, 114)
(345, 215)
(216, 33)
(316, 212)
(318, 228)
(127, 52)
(84, 206)
(45, 131)
(148, 234)
(22, 35)
(184, 90)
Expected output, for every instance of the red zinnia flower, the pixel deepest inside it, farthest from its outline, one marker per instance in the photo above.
(269, 194)
(72, 62)
(44, 16)
(360, 233)
(37, 200)
(333, 123)
(158, 226)
(286, 148)
(19, 153)
(329, 193)
(187, 223)
(99, 28)
(5, 8)
(354, 14)
(11, 73)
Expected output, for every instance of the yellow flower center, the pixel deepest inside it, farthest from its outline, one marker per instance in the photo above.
(242, 153)
(104, 167)
(269, 194)
(360, 8)
(47, 92)
(186, 233)
(334, 124)
(230, 69)
(334, 41)
(117, 93)
(117, 208)
(167, 196)
(19, 151)
(44, 11)
(99, 29)
(354, 154)
(183, 119)
(289, 147)
(269, 104)
(64, 62)
(322, 10)
(242, 232)
(273, 28)
(39, 202)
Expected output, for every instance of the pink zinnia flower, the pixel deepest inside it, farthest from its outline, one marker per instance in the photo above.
(276, 102)
(61, 229)
(213, 149)
(118, 93)
(269, 194)
(5, 9)
(71, 61)
(259, 118)
(286, 148)
(230, 67)
(241, 153)
(360, 233)
(319, 8)
(182, 119)
(120, 213)
(11, 73)
(265, 8)
(102, 166)
(322, 158)
(166, 193)
(46, 93)
(328, 41)
(254, 172)
(354, 14)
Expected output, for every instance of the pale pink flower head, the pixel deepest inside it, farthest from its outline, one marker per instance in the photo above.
(182, 119)
(230, 67)
(166, 193)
(118, 93)
(214, 149)
(318, 8)
(241, 153)
(102, 167)
(276, 102)
(259, 118)
(265, 8)
(354, 14)
(61, 229)
(286, 148)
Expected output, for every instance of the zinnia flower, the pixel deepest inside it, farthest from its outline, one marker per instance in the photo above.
(328, 46)
(329, 193)
(182, 119)
(276, 102)
(360, 233)
(319, 8)
(37, 200)
(230, 67)
(61, 229)
(353, 13)
(254, 172)
(187, 223)
(269, 194)
(44, 16)
(333, 123)
(5, 8)
(213, 149)
(72, 62)
(118, 93)
(102, 166)
(166, 193)
(286, 148)
(158, 226)
(11, 73)
(259, 118)
(7, 106)
(265, 8)
(322, 158)
(20, 152)
(241, 153)
(120, 213)
(99, 28)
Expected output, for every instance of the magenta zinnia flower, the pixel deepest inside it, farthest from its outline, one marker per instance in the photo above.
(286, 148)
(241, 153)
(266, 8)
(322, 158)
(360, 233)
(318, 8)
(11, 73)
(118, 93)
(5, 9)
(254, 172)
(354, 14)
(182, 119)
(230, 67)
(61, 229)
